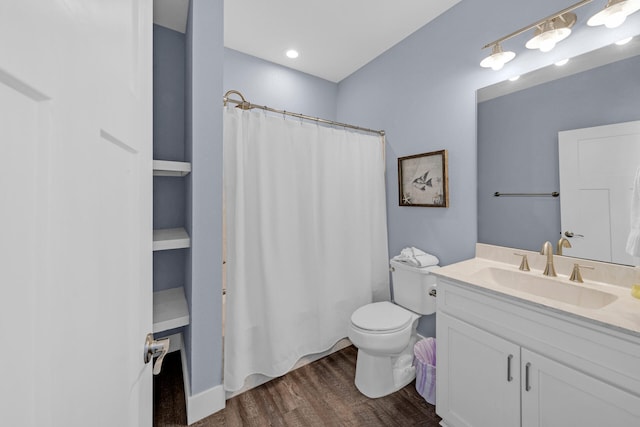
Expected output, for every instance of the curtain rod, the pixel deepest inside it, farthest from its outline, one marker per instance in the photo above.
(246, 105)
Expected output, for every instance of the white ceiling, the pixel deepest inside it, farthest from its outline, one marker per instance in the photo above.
(334, 37)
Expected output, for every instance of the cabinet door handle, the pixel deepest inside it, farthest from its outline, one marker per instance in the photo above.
(527, 385)
(509, 377)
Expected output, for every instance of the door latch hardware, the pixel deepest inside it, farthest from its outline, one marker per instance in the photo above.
(155, 348)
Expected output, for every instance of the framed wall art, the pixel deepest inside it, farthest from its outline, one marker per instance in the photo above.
(423, 180)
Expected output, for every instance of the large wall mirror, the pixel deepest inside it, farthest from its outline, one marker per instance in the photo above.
(518, 126)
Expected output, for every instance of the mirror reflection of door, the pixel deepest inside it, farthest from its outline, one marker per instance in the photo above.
(597, 169)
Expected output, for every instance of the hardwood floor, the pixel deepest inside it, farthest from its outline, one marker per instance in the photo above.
(319, 394)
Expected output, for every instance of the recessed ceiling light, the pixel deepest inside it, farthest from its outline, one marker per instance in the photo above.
(292, 53)
(514, 78)
(562, 62)
(624, 41)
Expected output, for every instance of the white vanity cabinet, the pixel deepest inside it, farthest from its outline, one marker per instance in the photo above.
(505, 362)
(558, 395)
(478, 376)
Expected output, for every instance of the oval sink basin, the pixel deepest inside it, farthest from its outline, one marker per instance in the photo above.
(577, 295)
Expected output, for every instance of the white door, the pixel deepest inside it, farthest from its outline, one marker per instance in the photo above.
(597, 168)
(478, 383)
(75, 207)
(555, 395)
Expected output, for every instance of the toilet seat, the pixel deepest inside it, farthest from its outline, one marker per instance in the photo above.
(381, 318)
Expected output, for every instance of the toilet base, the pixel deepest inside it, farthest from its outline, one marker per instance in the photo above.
(378, 376)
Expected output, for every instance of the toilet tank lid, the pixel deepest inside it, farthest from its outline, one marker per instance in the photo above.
(381, 316)
(404, 266)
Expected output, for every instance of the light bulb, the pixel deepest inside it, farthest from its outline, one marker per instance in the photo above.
(551, 32)
(497, 59)
(292, 53)
(615, 20)
(547, 44)
(614, 13)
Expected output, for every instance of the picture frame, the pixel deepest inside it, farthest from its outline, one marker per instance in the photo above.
(423, 180)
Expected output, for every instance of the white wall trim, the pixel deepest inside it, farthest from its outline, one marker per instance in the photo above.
(203, 404)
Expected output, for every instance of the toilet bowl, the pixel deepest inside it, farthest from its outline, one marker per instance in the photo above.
(385, 332)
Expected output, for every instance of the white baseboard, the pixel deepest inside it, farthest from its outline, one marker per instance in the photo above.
(203, 404)
(206, 403)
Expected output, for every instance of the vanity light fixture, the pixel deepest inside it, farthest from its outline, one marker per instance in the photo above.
(498, 58)
(292, 54)
(548, 31)
(614, 13)
(562, 62)
(551, 32)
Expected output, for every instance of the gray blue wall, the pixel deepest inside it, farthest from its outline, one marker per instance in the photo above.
(168, 144)
(168, 94)
(422, 92)
(204, 59)
(518, 147)
(265, 83)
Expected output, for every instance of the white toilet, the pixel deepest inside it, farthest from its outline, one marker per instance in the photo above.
(385, 332)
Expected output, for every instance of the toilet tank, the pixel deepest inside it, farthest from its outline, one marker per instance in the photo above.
(411, 287)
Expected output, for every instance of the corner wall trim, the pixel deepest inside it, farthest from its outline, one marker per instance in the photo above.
(203, 404)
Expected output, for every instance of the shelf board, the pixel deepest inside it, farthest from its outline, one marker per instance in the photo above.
(170, 309)
(169, 168)
(170, 238)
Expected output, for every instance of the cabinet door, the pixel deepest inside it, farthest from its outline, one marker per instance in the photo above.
(478, 376)
(554, 395)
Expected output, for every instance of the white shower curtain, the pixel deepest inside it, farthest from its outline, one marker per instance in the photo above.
(306, 238)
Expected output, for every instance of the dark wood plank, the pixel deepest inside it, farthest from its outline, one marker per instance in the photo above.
(319, 394)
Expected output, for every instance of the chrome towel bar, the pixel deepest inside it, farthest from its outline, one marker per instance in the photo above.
(499, 194)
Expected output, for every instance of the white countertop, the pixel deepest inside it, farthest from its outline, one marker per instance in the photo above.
(622, 314)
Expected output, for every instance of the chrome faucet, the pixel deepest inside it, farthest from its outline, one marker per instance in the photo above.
(547, 250)
(562, 243)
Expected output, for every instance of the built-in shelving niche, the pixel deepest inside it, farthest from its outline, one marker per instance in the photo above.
(165, 239)
(170, 309)
(169, 168)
